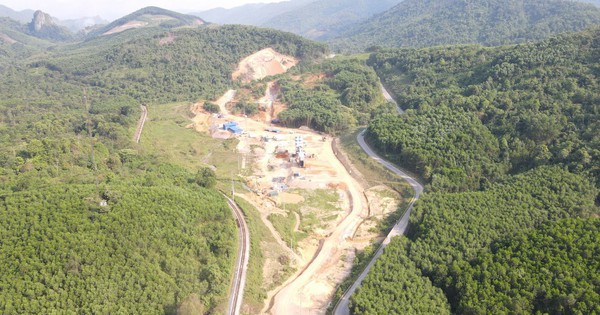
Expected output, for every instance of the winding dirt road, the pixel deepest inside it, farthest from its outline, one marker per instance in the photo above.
(295, 297)
(342, 308)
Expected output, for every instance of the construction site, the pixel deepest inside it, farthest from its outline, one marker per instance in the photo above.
(319, 214)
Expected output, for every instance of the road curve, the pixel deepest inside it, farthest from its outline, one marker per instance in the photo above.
(241, 265)
(343, 306)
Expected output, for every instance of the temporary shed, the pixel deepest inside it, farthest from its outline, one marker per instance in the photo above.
(233, 127)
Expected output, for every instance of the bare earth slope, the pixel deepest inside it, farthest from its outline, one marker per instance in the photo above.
(264, 63)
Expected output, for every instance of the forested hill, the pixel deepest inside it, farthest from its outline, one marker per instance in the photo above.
(15, 42)
(91, 222)
(149, 17)
(539, 102)
(507, 140)
(179, 65)
(325, 19)
(21, 16)
(417, 23)
(314, 19)
(251, 13)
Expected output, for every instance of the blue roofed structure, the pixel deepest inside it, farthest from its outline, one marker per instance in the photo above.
(233, 127)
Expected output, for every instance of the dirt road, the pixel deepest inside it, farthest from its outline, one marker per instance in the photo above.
(389, 98)
(296, 297)
(223, 100)
(271, 92)
(141, 122)
(342, 308)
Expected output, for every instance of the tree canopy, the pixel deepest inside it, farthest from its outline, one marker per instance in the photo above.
(418, 23)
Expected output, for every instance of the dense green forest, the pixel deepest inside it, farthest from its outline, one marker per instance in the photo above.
(566, 253)
(507, 141)
(90, 221)
(448, 231)
(148, 249)
(347, 95)
(539, 101)
(397, 287)
(418, 23)
(452, 148)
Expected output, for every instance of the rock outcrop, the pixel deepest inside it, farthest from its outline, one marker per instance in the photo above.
(43, 26)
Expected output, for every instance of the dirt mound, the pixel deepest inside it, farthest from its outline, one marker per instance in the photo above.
(262, 64)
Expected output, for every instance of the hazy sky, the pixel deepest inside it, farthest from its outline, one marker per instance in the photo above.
(113, 9)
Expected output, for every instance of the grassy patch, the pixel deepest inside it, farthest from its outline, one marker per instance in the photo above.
(256, 288)
(316, 208)
(358, 265)
(165, 135)
(285, 224)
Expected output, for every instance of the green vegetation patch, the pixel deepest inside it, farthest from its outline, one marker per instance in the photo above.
(349, 94)
(395, 286)
(549, 270)
(285, 226)
(145, 251)
(316, 208)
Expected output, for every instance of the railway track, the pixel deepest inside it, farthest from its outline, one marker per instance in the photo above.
(241, 265)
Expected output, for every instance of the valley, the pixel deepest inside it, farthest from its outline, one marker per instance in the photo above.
(323, 252)
(423, 158)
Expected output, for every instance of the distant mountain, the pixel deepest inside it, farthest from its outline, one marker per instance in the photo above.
(11, 32)
(21, 16)
(17, 43)
(326, 19)
(149, 17)
(251, 14)
(595, 2)
(420, 23)
(76, 25)
(44, 26)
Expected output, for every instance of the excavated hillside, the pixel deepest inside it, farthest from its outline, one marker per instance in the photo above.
(264, 63)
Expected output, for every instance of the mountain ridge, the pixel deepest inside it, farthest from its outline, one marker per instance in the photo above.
(251, 13)
(324, 19)
(490, 22)
(156, 16)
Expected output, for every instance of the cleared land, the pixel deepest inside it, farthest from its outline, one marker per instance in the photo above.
(317, 211)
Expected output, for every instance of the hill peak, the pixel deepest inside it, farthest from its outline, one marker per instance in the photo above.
(150, 17)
